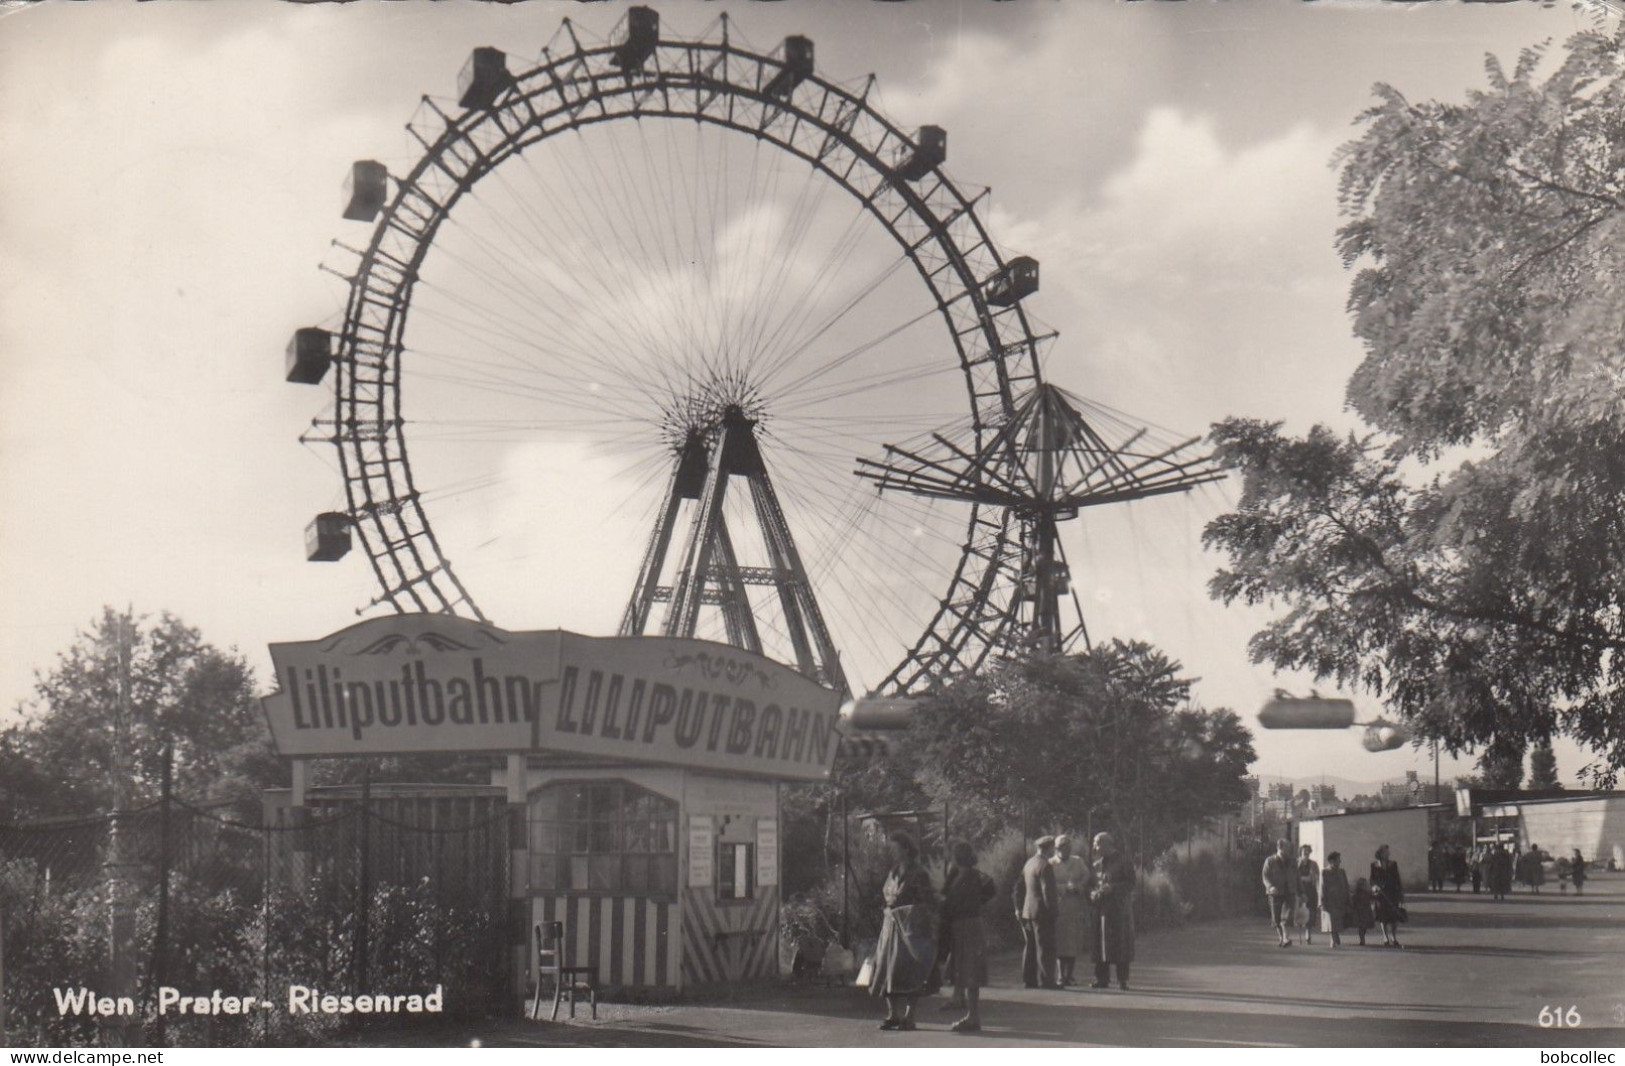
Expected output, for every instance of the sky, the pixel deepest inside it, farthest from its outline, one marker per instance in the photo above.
(171, 182)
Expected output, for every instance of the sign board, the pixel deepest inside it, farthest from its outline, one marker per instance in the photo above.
(437, 683)
(702, 850)
(767, 852)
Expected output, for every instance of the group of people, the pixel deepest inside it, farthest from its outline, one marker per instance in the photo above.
(1301, 895)
(1498, 866)
(1066, 904)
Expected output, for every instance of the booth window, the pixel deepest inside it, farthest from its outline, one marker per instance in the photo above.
(736, 876)
(602, 836)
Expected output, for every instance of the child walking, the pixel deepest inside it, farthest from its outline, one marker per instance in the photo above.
(1363, 918)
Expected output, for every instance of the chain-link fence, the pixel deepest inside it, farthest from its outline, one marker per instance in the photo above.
(383, 897)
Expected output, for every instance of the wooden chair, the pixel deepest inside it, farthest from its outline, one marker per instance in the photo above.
(566, 979)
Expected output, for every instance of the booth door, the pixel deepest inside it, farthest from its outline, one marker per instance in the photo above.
(730, 926)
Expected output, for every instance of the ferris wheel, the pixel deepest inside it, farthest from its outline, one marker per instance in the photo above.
(618, 279)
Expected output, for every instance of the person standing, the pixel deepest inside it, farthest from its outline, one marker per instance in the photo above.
(1335, 902)
(1537, 869)
(1072, 908)
(1387, 897)
(1475, 867)
(1035, 897)
(1458, 866)
(1361, 908)
(965, 891)
(1577, 870)
(905, 951)
(1278, 881)
(1111, 894)
(1306, 893)
(1500, 872)
(1436, 863)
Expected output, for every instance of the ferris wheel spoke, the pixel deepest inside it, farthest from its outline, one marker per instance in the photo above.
(773, 273)
(791, 335)
(911, 376)
(636, 336)
(532, 298)
(808, 339)
(546, 387)
(839, 492)
(489, 324)
(865, 586)
(624, 217)
(526, 374)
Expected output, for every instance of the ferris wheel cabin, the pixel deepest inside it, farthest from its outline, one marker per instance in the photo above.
(796, 53)
(365, 190)
(1018, 279)
(915, 161)
(310, 353)
(636, 38)
(483, 78)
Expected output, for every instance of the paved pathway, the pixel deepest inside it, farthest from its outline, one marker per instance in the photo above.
(1473, 972)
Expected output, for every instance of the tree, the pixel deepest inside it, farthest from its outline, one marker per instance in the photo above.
(1466, 561)
(172, 690)
(1103, 738)
(1543, 767)
(1501, 766)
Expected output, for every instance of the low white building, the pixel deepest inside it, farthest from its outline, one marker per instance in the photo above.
(1593, 824)
(1358, 834)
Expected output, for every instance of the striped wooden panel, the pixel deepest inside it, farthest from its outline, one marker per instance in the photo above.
(729, 942)
(632, 941)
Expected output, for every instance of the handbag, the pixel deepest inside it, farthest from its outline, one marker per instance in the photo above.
(1404, 915)
(838, 962)
(866, 974)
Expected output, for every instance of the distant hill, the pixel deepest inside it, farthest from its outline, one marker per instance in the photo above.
(1346, 789)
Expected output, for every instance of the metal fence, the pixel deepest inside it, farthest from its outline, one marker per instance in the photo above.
(360, 897)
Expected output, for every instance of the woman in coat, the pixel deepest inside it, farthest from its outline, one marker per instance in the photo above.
(1111, 892)
(1072, 910)
(906, 950)
(1306, 909)
(1387, 897)
(965, 892)
(1536, 869)
(1335, 900)
(1499, 865)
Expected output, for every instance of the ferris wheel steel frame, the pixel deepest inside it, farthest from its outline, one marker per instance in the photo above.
(836, 131)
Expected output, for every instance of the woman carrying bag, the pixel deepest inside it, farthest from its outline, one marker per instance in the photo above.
(906, 950)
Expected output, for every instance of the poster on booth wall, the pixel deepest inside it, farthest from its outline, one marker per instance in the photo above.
(702, 850)
(767, 852)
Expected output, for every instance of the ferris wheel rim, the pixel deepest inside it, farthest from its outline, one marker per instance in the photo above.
(385, 505)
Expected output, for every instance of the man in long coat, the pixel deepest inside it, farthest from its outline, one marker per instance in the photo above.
(1072, 915)
(1035, 897)
(1111, 892)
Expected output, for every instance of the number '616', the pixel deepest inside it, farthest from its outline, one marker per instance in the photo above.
(1559, 1017)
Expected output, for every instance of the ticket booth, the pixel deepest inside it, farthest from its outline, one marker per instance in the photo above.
(664, 877)
(642, 774)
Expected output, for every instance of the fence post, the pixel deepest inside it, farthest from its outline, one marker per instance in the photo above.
(2, 979)
(364, 881)
(117, 1031)
(846, 876)
(160, 946)
(518, 888)
(267, 882)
